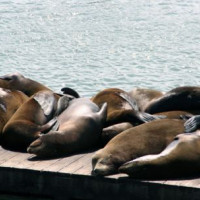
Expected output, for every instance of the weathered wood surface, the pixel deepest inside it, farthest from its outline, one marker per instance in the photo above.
(70, 178)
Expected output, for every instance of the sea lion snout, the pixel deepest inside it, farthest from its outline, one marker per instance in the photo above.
(34, 146)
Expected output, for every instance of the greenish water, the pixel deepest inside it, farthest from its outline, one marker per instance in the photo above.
(95, 44)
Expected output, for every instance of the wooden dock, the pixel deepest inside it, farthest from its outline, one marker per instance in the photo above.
(23, 177)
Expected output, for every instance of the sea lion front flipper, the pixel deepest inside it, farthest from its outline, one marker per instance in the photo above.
(146, 117)
(192, 124)
(62, 104)
(47, 102)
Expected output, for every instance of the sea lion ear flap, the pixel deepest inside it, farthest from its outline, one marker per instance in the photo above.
(103, 112)
(70, 91)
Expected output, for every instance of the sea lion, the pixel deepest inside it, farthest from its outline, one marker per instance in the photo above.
(27, 122)
(181, 98)
(17, 81)
(181, 158)
(80, 127)
(111, 131)
(121, 107)
(10, 101)
(142, 96)
(148, 138)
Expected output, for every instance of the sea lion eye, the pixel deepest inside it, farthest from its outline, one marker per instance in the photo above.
(7, 79)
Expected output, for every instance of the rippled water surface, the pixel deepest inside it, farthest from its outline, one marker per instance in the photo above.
(95, 44)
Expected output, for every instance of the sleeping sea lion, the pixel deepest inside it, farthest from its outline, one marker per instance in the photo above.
(80, 127)
(148, 138)
(181, 98)
(27, 122)
(121, 107)
(111, 131)
(180, 159)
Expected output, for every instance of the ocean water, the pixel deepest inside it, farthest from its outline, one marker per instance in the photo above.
(90, 45)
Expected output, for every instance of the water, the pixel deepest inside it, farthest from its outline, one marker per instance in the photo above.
(95, 44)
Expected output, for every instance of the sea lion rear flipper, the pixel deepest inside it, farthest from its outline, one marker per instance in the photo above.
(70, 91)
(146, 117)
(131, 101)
(52, 125)
(103, 112)
(192, 124)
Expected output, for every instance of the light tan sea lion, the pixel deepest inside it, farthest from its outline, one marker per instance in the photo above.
(143, 96)
(181, 98)
(10, 101)
(27, 122)
(180, 159)
(80, 127)
(148, 138)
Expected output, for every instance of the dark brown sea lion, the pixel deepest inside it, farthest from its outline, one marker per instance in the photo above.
(142, 96)
(181, 98)
(10, 101)
(80, 127)
(148, 138)
(180, 159)
(27, 122)
(17, 81)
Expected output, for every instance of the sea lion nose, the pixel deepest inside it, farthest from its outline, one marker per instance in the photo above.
(95, 172)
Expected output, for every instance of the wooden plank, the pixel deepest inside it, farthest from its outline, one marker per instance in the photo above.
(13, 162)
(74, 166)
(42, 164)
(63, 162)
(86, 167)
(6, 156)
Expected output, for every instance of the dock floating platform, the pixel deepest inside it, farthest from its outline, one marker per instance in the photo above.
(25, 178)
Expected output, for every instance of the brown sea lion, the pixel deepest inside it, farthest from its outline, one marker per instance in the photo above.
(17, 81)
(181, 98)
(27, 122)
(142, 96)
(180, 159)
(111, 131)
(121, 108)
(10, 101)
(80, 127)
(148, 138)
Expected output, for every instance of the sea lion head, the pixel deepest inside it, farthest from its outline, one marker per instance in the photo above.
(103, 165)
